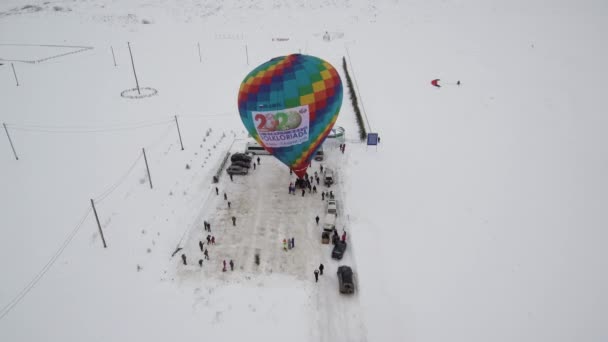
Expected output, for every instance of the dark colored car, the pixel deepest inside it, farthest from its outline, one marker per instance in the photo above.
(338, 251)
(240, 156)
(241, 163)
(346, 280)
(237, 170)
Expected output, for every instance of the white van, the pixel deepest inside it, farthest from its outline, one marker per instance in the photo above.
(329, 223)
(255, 148)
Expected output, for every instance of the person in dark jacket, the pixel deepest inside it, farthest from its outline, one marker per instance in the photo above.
(184, 259)
(317, 219)
(206, 253)
(200, 262)
(217, 191)
(316, 276)
(200, 245)
(321, 267)
(231, 265)
(234, 220)
(225, 197)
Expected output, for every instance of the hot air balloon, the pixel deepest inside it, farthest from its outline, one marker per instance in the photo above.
(289, 105)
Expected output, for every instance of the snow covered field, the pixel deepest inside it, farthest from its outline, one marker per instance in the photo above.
(480, 217)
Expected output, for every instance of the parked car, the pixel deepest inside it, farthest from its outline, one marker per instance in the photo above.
(329, 223)
(242, 163)
(237, 170)
(319, 156)
(328, 177)
(332, 207)
(339, 249)
(346, 283)
(240, 156)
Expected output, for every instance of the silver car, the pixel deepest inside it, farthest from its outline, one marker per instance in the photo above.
(237, 170)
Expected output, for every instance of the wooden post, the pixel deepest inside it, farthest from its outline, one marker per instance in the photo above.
(179, 133)
(103, 239)
(133, 63)
(10, 140)
(147, 168)
(113, 57)
(15, 73)
(200, 57)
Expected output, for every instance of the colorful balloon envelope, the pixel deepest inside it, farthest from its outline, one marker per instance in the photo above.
(289, 105)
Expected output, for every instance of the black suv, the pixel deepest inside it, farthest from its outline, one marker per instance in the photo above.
(339, 249)
(345, 279)
(241, 157)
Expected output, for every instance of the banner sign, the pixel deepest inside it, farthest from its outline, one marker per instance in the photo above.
(372, 139)
(284, 127)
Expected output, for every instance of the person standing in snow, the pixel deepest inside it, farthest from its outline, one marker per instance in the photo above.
(228, 204)
(206, 253)
(225, 197)
(293, 242)
(317, 219)
(323, 196)
(208, 239)
(232, 180)
(321, 168)
(224, 269)
(254, 166)
(231, 265)
(234, 220)
(258, 160)
(314, 189)
(316, 276)
(200, 245)
(213, 240)
(217, 191)
(321, 267)
(200, 262)
(184, 259)
(285, 245)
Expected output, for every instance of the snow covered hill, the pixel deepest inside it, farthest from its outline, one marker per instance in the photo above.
(479, 217)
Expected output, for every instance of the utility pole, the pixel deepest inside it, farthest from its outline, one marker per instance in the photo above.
(179, 133)
(10, 140)
(113, 57)
(133, 63)
(15, 73)
(99, 225)
(147, 168)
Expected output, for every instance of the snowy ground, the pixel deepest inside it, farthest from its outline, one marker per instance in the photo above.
(481, 216)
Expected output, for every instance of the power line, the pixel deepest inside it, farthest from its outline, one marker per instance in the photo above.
(76, 129)
(105, 194)
(11, 304)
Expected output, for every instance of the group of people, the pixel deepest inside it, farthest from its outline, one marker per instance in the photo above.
(318, 271)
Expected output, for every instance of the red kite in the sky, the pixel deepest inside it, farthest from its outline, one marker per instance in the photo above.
(435, 82)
